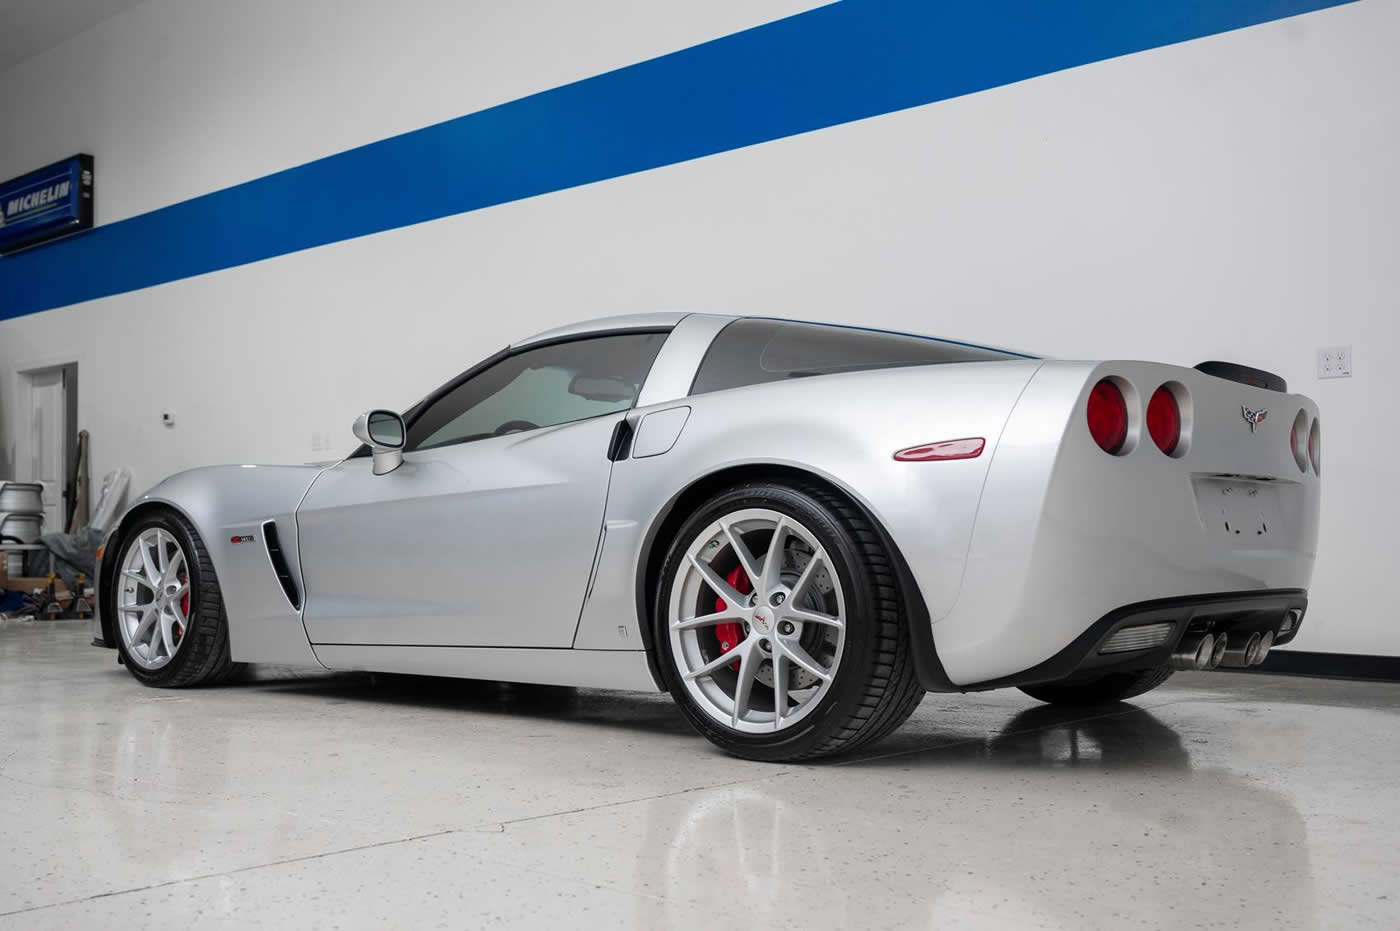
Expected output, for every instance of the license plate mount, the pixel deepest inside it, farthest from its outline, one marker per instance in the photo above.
(1244, 512)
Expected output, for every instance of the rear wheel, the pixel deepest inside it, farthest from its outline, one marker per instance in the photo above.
(781, 626)
(1116, 686)
(168, 611)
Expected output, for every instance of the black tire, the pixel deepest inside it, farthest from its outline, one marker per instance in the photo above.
(203, 656)
(875, 688)
(1116, 686)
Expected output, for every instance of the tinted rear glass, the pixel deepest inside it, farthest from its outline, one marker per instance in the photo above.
(754, 351)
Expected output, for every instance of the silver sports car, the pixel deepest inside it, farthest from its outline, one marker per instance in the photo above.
(797, 529)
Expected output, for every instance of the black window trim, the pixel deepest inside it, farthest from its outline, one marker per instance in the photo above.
(412, 415)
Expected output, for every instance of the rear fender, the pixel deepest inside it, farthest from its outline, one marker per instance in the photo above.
(841, 429)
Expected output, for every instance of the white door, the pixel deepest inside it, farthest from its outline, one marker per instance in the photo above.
(48, 442)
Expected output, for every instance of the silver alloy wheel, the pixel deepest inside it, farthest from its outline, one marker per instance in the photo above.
(790, 629)
(152, 603)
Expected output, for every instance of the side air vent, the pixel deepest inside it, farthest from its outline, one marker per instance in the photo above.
(1244, 375)
(279, 563)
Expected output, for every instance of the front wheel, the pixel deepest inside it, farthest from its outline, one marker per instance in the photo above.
(780, 623)
(1115, 686)
(168, 611)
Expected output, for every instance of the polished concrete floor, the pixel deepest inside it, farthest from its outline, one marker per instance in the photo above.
(1220, 800)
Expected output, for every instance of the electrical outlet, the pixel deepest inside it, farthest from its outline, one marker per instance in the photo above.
(1334, 362)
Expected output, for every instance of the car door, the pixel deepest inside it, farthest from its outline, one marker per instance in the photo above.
(486, 534)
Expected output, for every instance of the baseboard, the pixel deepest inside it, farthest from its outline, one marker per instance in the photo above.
(1329, 665)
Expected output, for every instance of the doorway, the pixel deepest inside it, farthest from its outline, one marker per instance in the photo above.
(49, 430)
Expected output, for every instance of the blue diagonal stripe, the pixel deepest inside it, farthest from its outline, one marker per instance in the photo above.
(831, 65)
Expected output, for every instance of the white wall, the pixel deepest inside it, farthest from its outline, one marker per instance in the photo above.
(1232, 197)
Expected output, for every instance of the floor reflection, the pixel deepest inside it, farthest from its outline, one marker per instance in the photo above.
(629, 710)
(1120, 736)
(1055, 816)
(329, 790)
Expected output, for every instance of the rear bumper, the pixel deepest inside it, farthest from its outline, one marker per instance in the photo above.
(1235, 612)
(1066, 533)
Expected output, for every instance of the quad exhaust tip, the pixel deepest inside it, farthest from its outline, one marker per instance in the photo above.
(1196, 651)
(1244, 650)
(1209, 651)
(1266, 643)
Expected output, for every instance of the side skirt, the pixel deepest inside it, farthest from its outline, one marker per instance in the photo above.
(594, 669)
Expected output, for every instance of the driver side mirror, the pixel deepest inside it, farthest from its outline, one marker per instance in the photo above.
(383, 432)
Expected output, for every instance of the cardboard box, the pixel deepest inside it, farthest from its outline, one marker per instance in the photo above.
(24, 583)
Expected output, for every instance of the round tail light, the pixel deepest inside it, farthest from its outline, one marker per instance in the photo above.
(1107, 413)
(1297, 440)
(1315, 446)
(1164, 420)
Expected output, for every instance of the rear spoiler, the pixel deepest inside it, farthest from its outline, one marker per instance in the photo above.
(1245, 375)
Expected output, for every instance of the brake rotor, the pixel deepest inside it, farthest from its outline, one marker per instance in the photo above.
(814, 637)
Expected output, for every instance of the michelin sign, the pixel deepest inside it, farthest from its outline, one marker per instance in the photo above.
(46, 204)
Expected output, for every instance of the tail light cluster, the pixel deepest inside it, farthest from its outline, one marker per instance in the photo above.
(1167, 420)
(1107, 414)
(1305, 442)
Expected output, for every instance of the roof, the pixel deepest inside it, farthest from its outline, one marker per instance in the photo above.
(653, 321)
(667, 320)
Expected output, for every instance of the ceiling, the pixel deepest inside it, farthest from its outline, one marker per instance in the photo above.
(29, 27)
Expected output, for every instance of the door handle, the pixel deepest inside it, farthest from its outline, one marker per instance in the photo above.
(620, 445)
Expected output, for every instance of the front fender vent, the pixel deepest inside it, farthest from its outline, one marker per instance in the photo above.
(279, 563)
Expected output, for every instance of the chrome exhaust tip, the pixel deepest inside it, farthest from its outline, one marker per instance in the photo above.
(1242, 650)
(1266, 643)
(1218, 654)
(1194, 652)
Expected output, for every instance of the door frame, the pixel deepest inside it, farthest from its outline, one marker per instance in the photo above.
(24, 405)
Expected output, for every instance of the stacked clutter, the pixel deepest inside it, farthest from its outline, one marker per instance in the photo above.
(61, 572)
(21, 522)
(21, 519)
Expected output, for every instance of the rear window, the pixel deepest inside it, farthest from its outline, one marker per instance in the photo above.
(754, 351)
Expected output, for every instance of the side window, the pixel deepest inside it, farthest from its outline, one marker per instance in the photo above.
(542, 387)
(753, 350)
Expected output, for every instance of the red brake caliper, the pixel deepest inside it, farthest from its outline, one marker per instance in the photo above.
(731, 634)
(185, 609)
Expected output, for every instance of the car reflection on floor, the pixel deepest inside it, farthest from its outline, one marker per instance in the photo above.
(1055, 818)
